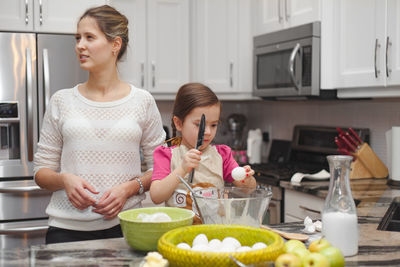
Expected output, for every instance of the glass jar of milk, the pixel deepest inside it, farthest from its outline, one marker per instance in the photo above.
(339, 216)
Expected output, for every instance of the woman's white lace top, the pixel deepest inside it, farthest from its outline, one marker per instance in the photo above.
(100, 142)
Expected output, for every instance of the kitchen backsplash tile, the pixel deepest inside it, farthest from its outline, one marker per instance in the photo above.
(379, 115)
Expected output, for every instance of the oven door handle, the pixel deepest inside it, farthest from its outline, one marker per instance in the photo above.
(23, 230)
(21, 189)
(310, 210)
(292, 58)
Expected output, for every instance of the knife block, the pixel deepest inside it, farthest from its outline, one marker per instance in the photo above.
(367, 164)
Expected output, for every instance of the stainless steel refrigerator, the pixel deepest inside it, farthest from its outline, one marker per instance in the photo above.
(32, 68)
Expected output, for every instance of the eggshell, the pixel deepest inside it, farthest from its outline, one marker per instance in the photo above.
(183, 246)
(243, 249)
(231, 241)
(259, 245)
(238, 173)
(318, 226)
(309, 229)
(307, 221)
(200, 239)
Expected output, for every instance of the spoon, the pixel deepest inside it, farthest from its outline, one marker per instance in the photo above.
(293, 236)
(193, 194)
(238, 263)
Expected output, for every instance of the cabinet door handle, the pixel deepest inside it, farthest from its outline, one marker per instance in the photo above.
(388, 43)
(279, 11)
(26, 12)
(142, 74)
(377, 45)
(231, 74)
(310, 210)
(153, 71)
(292, 58)
(40, 12)
(287, 15)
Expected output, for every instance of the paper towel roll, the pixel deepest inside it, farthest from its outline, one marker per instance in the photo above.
(395, 154)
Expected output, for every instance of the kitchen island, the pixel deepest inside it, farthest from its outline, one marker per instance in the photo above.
(376, 248)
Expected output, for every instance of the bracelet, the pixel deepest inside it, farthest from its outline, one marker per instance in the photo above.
(141, 187)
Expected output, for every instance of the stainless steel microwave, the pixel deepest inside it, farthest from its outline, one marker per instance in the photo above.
(287, 63)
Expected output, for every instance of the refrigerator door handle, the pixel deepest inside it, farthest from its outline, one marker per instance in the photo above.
(46, 78)
(29, 100)
(21, 189)
(23, 230)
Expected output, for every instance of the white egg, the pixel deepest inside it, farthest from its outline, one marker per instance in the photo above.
(200, 247)
(243, 249)
(200, 239)
(160, 217)
(183, 245)
(142, 216)
(238, 173)
(259, 245)
(231, 241)
(215, 244)
(227, 248)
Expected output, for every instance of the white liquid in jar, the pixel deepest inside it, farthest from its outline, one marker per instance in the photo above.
(341, 230)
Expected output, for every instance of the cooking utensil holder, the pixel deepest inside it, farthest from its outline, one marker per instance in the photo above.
(367, 164)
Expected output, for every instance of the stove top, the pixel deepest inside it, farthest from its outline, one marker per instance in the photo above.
(306, 153)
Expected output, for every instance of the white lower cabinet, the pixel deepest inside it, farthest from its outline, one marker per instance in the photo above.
(299, 205)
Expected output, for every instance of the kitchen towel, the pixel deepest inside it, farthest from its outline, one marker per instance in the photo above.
(393, 151)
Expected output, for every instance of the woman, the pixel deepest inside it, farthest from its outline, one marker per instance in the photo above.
(88, 153)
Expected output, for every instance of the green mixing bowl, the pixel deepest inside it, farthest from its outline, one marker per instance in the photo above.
(144, 235)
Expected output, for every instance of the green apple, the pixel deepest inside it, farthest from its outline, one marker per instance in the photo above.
(290, 245)
(300, 252)
(315, 259)
(318, 245)
(334, 256)
(287, 260)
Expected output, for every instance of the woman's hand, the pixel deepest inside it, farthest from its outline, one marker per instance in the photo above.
(112, 201)
(76, 187)
(191, 160)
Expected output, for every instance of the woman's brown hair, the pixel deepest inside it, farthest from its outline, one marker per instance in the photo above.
(112, 23)
(188, 97)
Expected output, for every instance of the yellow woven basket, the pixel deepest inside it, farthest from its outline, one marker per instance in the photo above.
(247, 236)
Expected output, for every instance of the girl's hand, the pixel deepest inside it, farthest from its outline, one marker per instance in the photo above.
(249, 181)
(191, 160)
(76, 187)
(112, 201)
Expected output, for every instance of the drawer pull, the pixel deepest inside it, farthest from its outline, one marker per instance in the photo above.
(310, 210)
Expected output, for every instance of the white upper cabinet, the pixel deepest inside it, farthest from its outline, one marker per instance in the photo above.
(158, 52)
(361, 43)
(273, 15)
(392, 52)
(53, 16)
(222, 46)
(367, 45)
(168, 45)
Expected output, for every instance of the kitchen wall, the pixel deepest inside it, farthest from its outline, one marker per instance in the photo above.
(279, 117)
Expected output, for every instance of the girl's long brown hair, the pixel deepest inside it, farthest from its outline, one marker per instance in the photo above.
(188, 97)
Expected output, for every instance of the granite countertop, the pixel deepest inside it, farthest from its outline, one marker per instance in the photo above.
(376, 248)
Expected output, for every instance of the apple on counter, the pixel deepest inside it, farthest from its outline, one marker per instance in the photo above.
(320, 253)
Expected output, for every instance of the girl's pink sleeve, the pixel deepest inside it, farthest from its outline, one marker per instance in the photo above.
(161, 163)
(228, 162)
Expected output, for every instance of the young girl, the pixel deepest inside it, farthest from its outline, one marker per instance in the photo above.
(213, 164)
